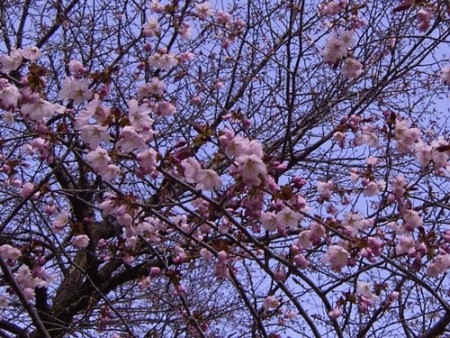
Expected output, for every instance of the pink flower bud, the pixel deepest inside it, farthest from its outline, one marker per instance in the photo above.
(26, 190)
(270, 303)
(280, 275)
(154, 272)
(301, 261)
(335, 313)
(392, 297)
(196, 100)
(222, 256)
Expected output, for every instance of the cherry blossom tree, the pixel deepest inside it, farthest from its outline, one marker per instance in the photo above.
(224, 169)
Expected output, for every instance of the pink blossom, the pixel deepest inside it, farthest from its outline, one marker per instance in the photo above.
(93, 110)
(392, 297)
(317, 233)
(340, 138)
(205, 254)
(27, 282)
(165, 109)
(354, 177)
(440, 158)
(439, 265)
(128, 259)
(98, 159)
(405, 244)
(221, 270)
(9, 95)
(301, 261)
(376, 245)
(163, 61)
(235, 145)
(446, 236)
(363, 304)
(373, 188)
(80, 241)
(368, 136)
(31, 53)
(9, 252)
(40, 110)
(76, 69)
(130, 140)
(124, 217)
(28, 293)
(156, 7)
(203, 10)
(253, 147)
(279, 275)
(352, 222)
(223, 18)
(41, 145)
(151, 28)
(445, 75)
(239, 24)
(406, 136)
(139, 116)
(270, 303)
(290, 315)
(75, 89)
(144, 229)
(412, 219)
(364, 289)
(399, 185)
(334, 50)
(357, 22)
(8, 117)
(239, 146)
(351, 68)
(207, 179)
(423, 153)
(335, 313)
(336, 47)
(347, 37)
(225, 139)
(331, 8)
(108, 206)
(94, 135)
(273, 187)
(60, 221)
(147, 160)
(50, 209)
(154, 87)
(268, 221)
(372, 161)
(26, 190)
(144, 283)
(252, 169)
(109, 173)
(337, 256)
(23, 276)
(192, 169)
(185, 31)
(325, 189)
(423, 20)
(11, 62)
(304, 241)
(185, 57)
